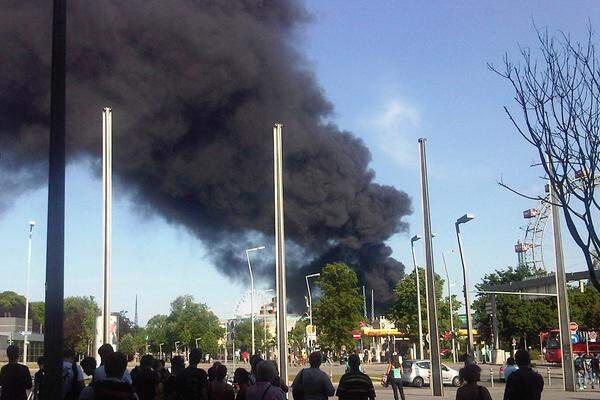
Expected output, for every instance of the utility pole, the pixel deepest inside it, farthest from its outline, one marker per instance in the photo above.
(106, 218)
(561, 292)
(280, 276)
(437, 388)
(55, 238)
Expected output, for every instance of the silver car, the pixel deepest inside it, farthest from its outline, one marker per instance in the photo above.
(416, 373)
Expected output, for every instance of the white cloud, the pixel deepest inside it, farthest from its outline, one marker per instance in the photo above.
(396, 132)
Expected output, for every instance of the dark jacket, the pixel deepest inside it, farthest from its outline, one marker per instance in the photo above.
(524, 384)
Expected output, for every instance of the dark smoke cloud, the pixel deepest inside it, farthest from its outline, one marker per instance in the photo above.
(195, 87)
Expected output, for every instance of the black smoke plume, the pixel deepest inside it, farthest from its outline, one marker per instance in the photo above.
(195, 87)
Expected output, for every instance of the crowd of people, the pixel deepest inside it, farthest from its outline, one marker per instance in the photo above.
(152, 380)
(587, 368)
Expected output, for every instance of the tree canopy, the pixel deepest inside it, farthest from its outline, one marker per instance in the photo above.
(339, 310)
(186, 322)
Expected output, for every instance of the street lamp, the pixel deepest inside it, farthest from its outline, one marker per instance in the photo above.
(196, 340)
(412, 248)
(310, 314)
(176, 349)
(26, 330)
(463, 220)
(450, 306)
(252, 290)
(160, 345)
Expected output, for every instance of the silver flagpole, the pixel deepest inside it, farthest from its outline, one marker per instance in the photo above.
(280, 255)
(106, 217)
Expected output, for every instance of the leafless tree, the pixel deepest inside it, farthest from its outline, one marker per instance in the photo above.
(558, 113)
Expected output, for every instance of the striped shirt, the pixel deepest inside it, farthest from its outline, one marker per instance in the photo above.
(355, 386)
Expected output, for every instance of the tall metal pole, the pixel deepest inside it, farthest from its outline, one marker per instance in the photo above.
(450, 308)
(419, 315)
(280, 254)
(26, 330)
(562, 298)
(106, 218)
(55, 238)
(372, 306)
(251, 300)
(467, 293)
(364, 304)
(437, 388)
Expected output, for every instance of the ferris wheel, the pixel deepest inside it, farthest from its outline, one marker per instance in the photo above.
(530, 250)
(261, 298)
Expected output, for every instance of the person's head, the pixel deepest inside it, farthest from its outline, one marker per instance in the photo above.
(315, 359)
(266, 371)
(12, 352)
(510, 361)
(195, 357)
(115, 365)
(241, 376)
(354, 362)
(220, 372)
(68, 355)
(177, 364)
(104, 351)
(88, 364)
(41, 361)
(212, 371)
(147, 361)
(254, 361)
(522, 358)
(471, 374)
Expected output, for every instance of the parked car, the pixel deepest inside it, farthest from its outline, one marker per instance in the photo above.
(416, 373)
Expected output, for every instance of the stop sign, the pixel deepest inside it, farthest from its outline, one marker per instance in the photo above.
(573, 327)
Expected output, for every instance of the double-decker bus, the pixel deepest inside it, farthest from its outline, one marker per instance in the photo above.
(551, 341)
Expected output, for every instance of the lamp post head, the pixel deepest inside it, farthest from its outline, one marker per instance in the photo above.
(313, 275)
(31, 224)
(255, 249)
(415, 238)
(465, 218)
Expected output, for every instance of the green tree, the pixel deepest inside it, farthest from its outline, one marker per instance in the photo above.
(243, 336)
(186, 322)
(404, 310)
(339, 310)
(156, 329)
(125, 324)
(80, 323)
(297, 336)
(133, 342)
(517, 318)
(13, 304)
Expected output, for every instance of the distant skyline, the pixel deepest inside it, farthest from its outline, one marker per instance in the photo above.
(394, 72)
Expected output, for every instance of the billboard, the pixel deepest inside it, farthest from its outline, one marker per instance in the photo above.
(113, 337)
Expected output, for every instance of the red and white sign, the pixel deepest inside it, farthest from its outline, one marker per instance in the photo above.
(356, 334)
(573, 327)
(593, 336)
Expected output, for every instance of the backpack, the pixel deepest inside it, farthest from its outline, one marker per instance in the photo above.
(578, 364)
(73, 387)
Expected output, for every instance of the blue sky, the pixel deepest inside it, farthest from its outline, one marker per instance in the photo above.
(394, 72)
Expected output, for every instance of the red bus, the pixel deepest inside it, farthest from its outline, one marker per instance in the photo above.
(551, 342)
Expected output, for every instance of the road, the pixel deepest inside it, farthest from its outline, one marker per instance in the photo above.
(554, 391)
